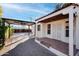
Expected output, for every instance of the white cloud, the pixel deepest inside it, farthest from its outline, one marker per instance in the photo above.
(10, 6)
(23, 9)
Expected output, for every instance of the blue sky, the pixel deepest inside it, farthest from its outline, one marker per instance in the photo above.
(27, 11)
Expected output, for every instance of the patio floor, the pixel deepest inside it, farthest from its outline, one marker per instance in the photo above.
(56, 44)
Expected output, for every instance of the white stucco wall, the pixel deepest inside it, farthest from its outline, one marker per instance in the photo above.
(42, 32)
(57, 30)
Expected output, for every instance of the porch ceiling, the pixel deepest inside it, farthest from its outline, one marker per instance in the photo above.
(17, 22)
(55, 18)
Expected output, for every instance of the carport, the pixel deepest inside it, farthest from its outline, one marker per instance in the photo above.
(9, 22)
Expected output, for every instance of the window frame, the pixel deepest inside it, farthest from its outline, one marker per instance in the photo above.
(38, 27)
(67, 29)
(48, 28)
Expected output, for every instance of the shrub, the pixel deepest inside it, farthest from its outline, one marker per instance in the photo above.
(4, 33)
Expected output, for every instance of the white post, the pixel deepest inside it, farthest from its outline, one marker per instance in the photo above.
(71, 47)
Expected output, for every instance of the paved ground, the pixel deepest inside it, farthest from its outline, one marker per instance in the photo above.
(29, 48)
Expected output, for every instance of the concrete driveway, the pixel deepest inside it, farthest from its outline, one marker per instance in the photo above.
(29, 48)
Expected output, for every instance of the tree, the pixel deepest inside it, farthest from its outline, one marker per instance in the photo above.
(58, 6)
(61, 5)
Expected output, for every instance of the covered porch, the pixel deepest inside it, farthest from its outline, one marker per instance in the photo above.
(70, 14)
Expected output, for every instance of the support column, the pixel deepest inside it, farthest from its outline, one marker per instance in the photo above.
(71, 38)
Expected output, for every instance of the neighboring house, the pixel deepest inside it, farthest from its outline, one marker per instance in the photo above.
(61, 25)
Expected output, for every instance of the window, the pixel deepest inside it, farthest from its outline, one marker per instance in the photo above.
(67, 33)
(49, 29)
(38, 27)
(67, 21)
(67, 29)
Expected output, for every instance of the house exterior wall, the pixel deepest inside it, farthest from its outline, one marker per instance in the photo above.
(57, 30)
(42, 32)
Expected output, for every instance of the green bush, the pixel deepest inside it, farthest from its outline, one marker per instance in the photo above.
(5, 31)
(5, 34)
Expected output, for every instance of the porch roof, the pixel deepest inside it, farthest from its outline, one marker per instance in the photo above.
(17, 22)
(54, 18)
(55, 15)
